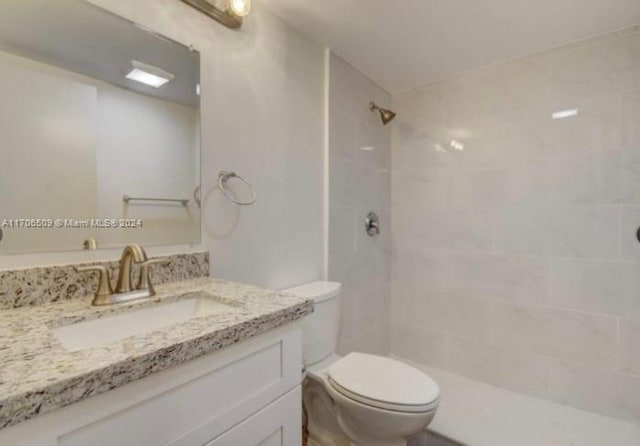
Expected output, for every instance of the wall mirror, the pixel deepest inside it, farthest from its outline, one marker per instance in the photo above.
(100, 131)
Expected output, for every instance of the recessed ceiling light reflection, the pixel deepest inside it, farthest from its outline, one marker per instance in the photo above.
(562, 114)
(149, 75)
(457, 145)
(367, 148)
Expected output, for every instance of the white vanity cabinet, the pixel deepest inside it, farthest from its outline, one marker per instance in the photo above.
(272, 426)
(247, 394)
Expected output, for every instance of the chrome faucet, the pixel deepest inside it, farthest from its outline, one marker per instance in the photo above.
(124, 292)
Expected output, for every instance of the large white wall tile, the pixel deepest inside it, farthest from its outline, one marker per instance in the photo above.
(630, 120)
(374, 307)
(419, 344)
(371, 147)
(359, 182)
(416, 150)
(629, 351)
(505, 183)
(344, 186)
(430, 190)
(342, 136)
(376, 342)
(573, 179)
(464, 230)
(586, 231)
(514, 278)
(581, 337)
(512, 369)
(477, 188)
(425, 105)
(468, 316)
(607, 287)
(342, 224)
(596, 126)
(524, 239)
(629, 225)
(415, 306)
(590, 69)
(597, 390)
(426, 270)
(618, 176)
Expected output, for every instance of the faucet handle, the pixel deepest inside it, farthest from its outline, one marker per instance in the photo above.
(104, 281)
(144, 280)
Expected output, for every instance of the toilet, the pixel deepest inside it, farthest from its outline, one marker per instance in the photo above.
(359, 399)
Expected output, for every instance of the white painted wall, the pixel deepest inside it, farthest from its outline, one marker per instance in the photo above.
(262, 115)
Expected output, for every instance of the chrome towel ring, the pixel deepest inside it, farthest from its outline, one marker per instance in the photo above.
(196, 195)
(224, 176)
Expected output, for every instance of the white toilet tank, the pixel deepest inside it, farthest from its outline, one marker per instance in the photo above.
(320, 329)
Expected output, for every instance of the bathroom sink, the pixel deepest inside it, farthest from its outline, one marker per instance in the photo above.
(99, 332)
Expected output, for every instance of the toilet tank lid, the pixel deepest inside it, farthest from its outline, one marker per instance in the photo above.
(317, 291)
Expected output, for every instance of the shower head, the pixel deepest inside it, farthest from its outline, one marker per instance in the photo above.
(385, 115)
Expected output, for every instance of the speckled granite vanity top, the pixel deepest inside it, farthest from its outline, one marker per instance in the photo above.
(38, 375)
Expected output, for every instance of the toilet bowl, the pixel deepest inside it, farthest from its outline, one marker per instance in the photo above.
(377, 401)
(360, 399)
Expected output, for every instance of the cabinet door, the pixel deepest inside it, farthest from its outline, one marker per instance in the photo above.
(186, 405)
(278, 424)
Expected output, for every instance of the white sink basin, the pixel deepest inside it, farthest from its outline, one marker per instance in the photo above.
(100, 332)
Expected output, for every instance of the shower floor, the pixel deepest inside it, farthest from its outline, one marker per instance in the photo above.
(479, 414)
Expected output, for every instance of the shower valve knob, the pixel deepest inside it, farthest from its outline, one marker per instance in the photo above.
(372, 224)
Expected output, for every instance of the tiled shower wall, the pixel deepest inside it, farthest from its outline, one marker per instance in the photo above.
(359, 182)
(515, 253)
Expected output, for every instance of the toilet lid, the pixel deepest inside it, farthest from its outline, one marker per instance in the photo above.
(384, 383)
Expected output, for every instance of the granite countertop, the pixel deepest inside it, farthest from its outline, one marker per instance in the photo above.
(38, 375)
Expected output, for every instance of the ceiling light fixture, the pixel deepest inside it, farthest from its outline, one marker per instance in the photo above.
(230, 15)
(562, 114)
(148, 74)
(241, 8)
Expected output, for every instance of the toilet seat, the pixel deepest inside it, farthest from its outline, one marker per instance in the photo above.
(383, 383)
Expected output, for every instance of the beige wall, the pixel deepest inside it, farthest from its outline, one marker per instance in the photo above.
(359, 182)
(516, 259)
